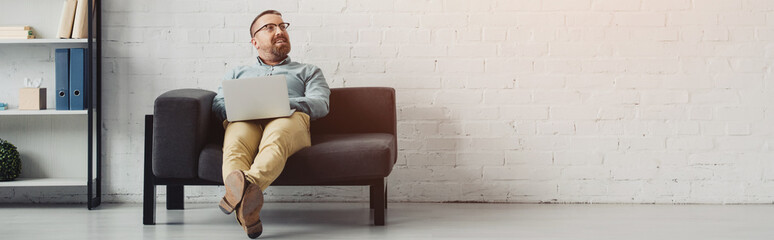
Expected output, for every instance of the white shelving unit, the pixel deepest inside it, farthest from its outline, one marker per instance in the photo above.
(50, 111)
(53, 146)
(59, 148)
(45, 182)
(42, 41)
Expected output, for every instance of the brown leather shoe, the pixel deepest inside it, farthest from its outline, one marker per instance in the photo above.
(248, 213)
(235, 188)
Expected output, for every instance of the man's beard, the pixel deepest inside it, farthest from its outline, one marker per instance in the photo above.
(280, 52)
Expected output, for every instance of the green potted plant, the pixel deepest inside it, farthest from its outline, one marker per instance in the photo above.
(10, 161)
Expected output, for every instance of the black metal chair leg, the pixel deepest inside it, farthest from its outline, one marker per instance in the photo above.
(378, 201)
(149, 187)
(175, 197)
(372, 195)
(149, 204)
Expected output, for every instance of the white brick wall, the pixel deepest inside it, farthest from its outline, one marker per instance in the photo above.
(625, 101)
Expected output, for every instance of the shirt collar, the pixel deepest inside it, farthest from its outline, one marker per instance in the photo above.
(284, 61)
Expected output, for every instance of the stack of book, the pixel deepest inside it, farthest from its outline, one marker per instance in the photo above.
(16, 32)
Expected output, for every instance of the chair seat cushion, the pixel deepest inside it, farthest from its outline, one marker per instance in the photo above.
(332, 158)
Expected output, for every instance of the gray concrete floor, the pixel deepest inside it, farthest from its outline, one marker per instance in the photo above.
(404, 221)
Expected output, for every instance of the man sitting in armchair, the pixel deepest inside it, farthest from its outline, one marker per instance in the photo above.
(255, 151)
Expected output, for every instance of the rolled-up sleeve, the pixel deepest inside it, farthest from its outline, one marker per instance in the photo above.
(316, 96)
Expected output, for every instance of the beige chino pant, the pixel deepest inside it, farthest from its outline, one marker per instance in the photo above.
(260, 148)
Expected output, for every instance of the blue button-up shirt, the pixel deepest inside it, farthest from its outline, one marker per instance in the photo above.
(307, 90)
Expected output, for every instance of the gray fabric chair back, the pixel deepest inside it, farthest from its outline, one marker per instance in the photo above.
(359, 110)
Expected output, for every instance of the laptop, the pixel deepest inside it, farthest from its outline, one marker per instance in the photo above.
(256, 98)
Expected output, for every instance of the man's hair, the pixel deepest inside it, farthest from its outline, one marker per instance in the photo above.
(260, 15)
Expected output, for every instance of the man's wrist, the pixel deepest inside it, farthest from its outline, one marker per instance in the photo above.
(294, 105)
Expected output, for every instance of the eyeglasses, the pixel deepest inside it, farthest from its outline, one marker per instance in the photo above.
(271, 27)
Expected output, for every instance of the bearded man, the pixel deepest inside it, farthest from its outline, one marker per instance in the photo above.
(255, 151)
